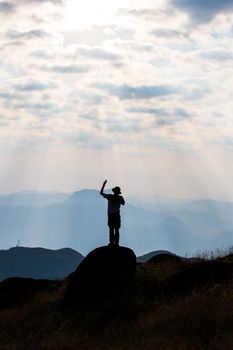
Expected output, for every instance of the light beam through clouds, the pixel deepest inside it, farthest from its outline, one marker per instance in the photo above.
(135, 92)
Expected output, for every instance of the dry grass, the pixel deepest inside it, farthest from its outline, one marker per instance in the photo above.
(138, 318)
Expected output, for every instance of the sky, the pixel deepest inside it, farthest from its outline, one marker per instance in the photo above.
(136, 92)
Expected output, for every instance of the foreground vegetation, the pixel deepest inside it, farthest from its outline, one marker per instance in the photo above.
(143, 316)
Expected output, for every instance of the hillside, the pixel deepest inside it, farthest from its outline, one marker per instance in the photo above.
(38, 262)
(166, 307)
(145, 257)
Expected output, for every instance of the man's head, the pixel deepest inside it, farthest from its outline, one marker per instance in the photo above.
(116, 190)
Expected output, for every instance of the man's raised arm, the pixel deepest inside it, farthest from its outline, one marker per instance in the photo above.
(102, 188)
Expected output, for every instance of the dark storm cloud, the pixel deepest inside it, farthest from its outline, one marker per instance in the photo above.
(126, 92)
(203, 10)
(31, 34)
(7, 7)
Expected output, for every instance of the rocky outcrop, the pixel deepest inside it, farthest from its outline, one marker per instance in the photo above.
(105, 270)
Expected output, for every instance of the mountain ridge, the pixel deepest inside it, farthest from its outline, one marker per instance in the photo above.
(80, 221)
(38, 262)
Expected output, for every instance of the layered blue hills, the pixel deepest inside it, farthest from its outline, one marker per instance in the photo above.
(79, 221)
(38, 262)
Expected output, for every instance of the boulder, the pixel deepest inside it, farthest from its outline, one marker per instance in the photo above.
(103, 271)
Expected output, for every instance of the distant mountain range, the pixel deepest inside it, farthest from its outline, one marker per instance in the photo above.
(32, 198)
(79, 221)
(38, 262)
(41, 263)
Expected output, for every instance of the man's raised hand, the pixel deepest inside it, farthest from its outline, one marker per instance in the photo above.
(102, 188)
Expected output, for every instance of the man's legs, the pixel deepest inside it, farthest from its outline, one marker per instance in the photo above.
(111, 235)
(116, 236)
(114, 223)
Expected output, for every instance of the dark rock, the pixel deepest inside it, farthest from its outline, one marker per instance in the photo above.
(165, 259)
(15, 290)
(205, 274)
(103, 271)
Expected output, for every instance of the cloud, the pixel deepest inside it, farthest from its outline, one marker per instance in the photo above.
(98, 53)
(125, 126)
(43, 54)
(220, 55)
(85, 139)
(160, 111)
(89, 97)
(203, 11)
(147, 13)
(126, 92)
(12, 44)
(37, 106)
(55, 2)
(164, 116)
(34, 86)
(69, 69)
(5, 96)
(97, 35)
(7, 7)
(31, 34)
(169, 33)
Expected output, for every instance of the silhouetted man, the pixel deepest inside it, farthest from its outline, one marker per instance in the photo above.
(114, 218)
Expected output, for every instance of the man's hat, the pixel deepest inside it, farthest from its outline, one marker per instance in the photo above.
(116, 190)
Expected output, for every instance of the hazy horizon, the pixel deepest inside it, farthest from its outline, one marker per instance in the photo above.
(148, 198)
(56, 220)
